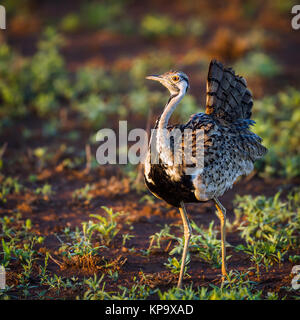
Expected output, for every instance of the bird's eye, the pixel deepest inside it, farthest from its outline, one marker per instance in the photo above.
(175, 78)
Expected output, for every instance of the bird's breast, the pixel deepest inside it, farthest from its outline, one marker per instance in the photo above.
(161, 184)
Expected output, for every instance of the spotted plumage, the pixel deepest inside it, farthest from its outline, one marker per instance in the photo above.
(230, 148)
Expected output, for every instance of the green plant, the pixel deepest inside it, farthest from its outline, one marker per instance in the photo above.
(40, 82)
(148, 198)
(48, 76)
(92, 81)
(11, 82)
(17, 240)
(295, 258)
(257, 64)
(8, 186)
(267, 219)
(70, 22)
(46, 191)
(94, 109)
(154, 25)
(113, 275)
(174, 265)
(136, 292)
(106, 226)
(44, 273)
(204, 243)
(83, 193)
(269, 226)
(126, 237)
(155, 239)
(57, 283)
(187, 293)
(96, 289)
(195, 26)
(28, 256)
(99, 15)
(80, 249)
(236, 287)
(277, 119)
(41, 154)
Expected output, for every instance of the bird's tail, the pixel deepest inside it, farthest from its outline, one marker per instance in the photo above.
(227, 97)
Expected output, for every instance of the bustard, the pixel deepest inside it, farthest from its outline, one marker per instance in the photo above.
(230, 148)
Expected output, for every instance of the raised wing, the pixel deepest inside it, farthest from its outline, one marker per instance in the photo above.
(227, 95)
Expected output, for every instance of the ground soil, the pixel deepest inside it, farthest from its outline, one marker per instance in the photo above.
(49, 217)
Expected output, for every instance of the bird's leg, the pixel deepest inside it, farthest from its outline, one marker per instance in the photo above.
(221, 213)
(187, 234)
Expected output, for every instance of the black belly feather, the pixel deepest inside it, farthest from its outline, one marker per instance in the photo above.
(173, 192)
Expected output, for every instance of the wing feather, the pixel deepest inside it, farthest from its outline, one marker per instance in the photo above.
(227, 95)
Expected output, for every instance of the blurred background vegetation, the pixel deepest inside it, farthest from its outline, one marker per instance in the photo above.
(70, 68)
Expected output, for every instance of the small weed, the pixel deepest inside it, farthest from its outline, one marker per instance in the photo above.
(83, 194)
(114, 276)
(126, 237)
(106, 226)
(269, 227)
(277, 120)
(8, 186)
(80, 251)
(204, 243)
(136, 292)
(46, 191)
(174, 265)
(155, 239)
(96, 289)
(258, 64)
(294, 259)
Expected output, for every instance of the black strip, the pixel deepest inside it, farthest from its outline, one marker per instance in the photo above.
(172, 96)
(185, 78)
(213, 79)
(230, 71)
(234, 98)
(218, 64)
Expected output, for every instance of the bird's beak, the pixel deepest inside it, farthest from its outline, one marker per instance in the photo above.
(155, 78)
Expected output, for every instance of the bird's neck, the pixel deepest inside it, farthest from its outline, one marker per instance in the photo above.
(162, 138)
(169, 109)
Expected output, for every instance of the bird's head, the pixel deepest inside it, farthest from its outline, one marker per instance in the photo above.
(175, 81)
